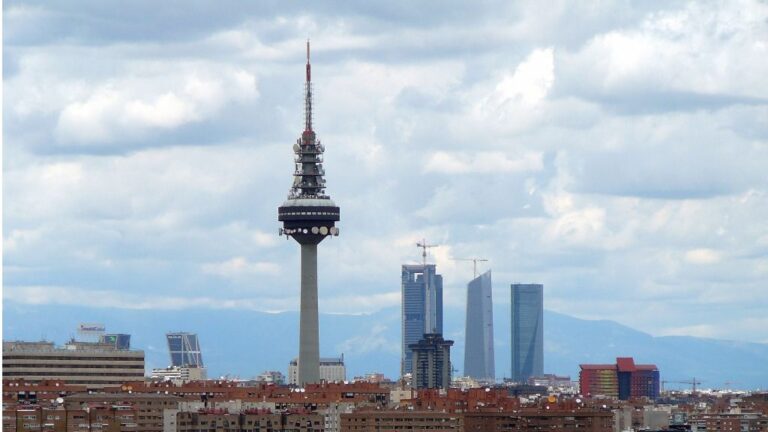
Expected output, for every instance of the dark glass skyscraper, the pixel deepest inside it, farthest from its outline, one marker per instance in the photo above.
(414, 307)
(527, 331)
(478, 348)
(184, 349)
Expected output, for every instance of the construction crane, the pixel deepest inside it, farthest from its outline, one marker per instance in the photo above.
(693, 383)
(429, 324)
(424, 246)
(474, 264)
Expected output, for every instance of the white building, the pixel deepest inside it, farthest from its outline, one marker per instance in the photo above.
(180, 374)
(271, 377)
(331, 370)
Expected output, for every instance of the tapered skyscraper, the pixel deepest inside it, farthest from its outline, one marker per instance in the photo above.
(308, 216)
(527, 331)
(478, 348)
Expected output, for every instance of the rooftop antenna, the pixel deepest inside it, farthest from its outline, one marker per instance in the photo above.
(474, 264)
(308, 95)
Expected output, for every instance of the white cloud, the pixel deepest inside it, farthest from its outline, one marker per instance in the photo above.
(520, 93)
(178, 94)
(108, 298)
(374, 341)
(240, 266)
(702, 256)
(482, 162)
(697, 49)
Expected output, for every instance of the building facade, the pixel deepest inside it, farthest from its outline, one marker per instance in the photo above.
(184, 349)
(527, 331)
(416, 307)
(431, 362)
(478, 347)
(151, 409)
(93, 365)
(623, 380)
(332, 369)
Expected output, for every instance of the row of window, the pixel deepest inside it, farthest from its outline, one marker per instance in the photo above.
(309, 214)
(78, 374)
(90, 357)
(75, 366)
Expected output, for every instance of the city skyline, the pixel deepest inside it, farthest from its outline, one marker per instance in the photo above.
(145, 177)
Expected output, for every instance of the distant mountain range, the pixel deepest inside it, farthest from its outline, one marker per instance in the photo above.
(244, 343)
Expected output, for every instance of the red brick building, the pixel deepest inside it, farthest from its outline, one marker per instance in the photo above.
(623, 380)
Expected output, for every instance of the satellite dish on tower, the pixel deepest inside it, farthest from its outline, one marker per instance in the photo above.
(296, 148)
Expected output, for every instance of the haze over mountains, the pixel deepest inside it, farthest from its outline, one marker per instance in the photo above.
(244, 343)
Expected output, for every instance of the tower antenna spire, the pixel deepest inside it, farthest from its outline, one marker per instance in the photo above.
(308, 96)
(308, 216)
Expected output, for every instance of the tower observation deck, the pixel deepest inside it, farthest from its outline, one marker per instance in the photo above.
(308, 216)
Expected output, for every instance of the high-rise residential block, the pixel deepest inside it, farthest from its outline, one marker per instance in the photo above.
(184, 349)
(527, 331)
(478, 347)
(431, 362)
(418, 282)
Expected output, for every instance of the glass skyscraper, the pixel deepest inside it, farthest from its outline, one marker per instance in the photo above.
(527, 331)
(478, 348)
(415, 310)
(184, 349)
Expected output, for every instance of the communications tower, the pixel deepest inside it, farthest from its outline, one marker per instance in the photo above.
(308, 216)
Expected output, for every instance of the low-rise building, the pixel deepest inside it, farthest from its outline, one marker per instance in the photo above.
(180, 374)
(93, 365)
(150, 409)
(332, 369)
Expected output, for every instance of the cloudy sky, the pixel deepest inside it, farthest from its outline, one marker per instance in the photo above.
(615, 151)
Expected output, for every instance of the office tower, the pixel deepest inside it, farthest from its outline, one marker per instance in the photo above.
(118, 340)
(332, 369)
(527, 331)
(91, 364)
(431, 362)
(415, 307)
(308, 216)
(478, 348)
(623, 380)
(184, 349)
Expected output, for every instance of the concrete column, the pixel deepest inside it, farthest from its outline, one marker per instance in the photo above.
(309, 333)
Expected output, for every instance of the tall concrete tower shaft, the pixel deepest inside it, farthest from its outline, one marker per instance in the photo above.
(308, 216)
